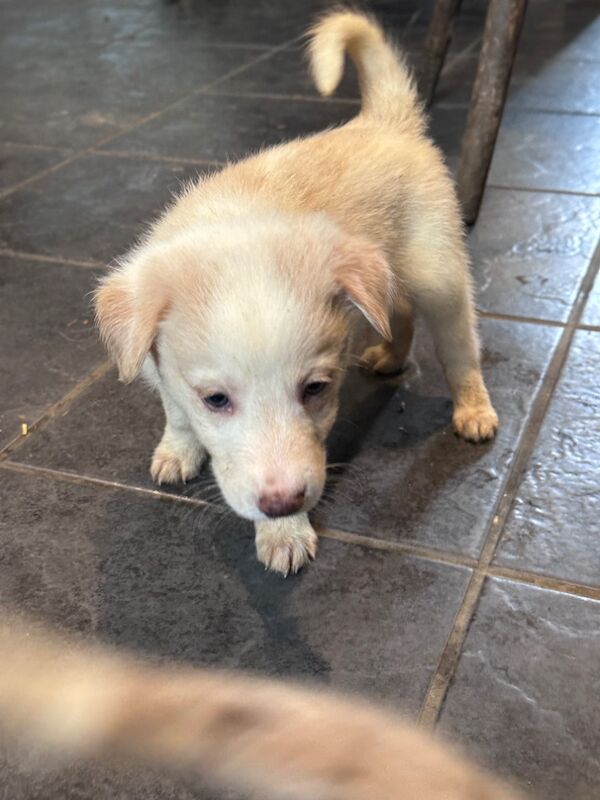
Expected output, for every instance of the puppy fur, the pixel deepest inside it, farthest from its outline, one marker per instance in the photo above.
(240, 303)
(267, 739)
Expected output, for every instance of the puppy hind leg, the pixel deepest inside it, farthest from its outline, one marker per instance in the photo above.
(450, 316)
(179, 455)
(389, 358)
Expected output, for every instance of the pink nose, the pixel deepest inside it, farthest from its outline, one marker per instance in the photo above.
(281, 504)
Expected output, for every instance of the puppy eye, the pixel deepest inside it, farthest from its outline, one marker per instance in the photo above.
(217, 402)
(314, 388)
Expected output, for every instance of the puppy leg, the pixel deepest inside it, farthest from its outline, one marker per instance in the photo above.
(179, 455)
(450, 315)
(286, 544)
(388, 358)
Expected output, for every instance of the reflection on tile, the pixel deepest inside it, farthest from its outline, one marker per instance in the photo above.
(93, 209)
(410, 479)
(522, 697)
(591, 314)
(547, 151)
(47, 343)
(530, 251)
(553, 527)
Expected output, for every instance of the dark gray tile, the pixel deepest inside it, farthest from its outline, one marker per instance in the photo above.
(524, 698)
(92, 209)
(73, 96)
(18, 163)
(410, 479)
(109, 432)
(47, 343)
(553, 527)
(547, 151)
(530, 251)
(221, 127)
(167, 581)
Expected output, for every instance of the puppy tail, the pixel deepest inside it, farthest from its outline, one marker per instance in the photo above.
(388, 91)
(264, 737)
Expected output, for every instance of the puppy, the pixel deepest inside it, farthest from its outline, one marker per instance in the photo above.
(239, 304)
(267, 739)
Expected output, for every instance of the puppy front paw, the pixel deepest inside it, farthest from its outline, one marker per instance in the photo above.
(285, 545)
(475, 423)
(176, 462)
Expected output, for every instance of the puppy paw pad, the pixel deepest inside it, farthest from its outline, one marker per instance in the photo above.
(170, 467)
(287, 554)
(475, 424)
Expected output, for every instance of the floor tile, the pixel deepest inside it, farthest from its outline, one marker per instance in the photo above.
(530, 251)
(164, 580)
(410, 479)
(553, 527)
(98, 90)
(107, 433)
(591, 314)
(92, 209)
(395, 442)
(522, 697)
(222, 127)
(47, 343)
(18, 163)
(547, 151)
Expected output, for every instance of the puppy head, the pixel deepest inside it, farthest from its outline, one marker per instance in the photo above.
(251, 323)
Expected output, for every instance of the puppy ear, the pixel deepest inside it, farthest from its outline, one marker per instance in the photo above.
(128, 312)
(364, 276)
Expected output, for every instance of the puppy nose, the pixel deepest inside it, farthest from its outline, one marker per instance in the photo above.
(281, 504)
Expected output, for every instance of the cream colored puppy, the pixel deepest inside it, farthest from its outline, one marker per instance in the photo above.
(268, 739)
(239, 304)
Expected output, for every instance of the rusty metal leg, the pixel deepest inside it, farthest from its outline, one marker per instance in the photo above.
(500, 39)
(436, 45)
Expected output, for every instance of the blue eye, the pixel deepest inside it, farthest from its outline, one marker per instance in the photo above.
(217, 401)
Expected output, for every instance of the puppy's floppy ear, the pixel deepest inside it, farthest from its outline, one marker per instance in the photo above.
(128, 312)
(364, 276)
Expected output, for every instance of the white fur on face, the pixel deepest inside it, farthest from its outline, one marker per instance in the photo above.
(258, 337)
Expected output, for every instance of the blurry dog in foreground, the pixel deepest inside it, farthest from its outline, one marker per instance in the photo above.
(268, 739)
(240, 302)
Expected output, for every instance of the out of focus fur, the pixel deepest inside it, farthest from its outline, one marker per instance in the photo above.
(269, 739)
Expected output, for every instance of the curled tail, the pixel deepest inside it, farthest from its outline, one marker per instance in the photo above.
(267, 738)
(387, 88)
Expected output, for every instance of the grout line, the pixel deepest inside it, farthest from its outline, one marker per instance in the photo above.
(51, 259)
(420, 551)
(440, 683)
(553, 323)
(537, 190)
(143, 120)
(540, 580)
(72, 477)
(153, 157)
(56, 408)
(586, 327)
(304, 98)
(545, 582)
(50, 148)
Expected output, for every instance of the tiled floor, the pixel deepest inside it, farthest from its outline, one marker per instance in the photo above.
(459, 583)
